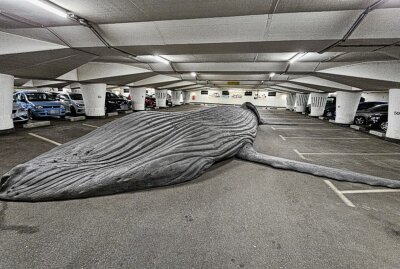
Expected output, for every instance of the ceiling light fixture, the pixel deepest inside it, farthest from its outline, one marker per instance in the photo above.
(272, 74)
(49, 7)
(161, 59)
(193, 74)
(297, 57)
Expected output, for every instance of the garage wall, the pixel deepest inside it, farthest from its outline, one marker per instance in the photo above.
(375, 96)
(264, 100)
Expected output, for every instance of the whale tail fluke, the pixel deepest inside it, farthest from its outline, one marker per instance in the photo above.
(248, 153)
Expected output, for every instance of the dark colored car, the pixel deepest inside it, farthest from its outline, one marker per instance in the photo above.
(169, 100)
(363, 115)
(150, 101)
(330, 107)
(378, 121)
(39, 104)
(114, 102)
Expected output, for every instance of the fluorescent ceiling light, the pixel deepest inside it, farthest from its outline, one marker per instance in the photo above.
(271, 75)
(297, 57)
(160, 59)
(193, 74)
(49, 8)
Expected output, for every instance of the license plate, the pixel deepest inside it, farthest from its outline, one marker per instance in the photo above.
(53, 111)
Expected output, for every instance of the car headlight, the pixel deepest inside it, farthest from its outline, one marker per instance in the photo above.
(38, 107)
(62, 107)
(81, 105)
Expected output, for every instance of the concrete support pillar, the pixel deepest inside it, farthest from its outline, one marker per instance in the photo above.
(318, 103)
(94, 97)
(186, 97)
(346, 106)
(176, 98)
(393, 130)
(301, 102)
(290, 100)
(138, 97)
(6, 103)
(161, 98)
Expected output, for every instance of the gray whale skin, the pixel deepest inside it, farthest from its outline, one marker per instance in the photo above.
(152, 149)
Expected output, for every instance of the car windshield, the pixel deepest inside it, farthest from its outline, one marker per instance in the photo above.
(76, 96)
(380, 108)
(39, 96)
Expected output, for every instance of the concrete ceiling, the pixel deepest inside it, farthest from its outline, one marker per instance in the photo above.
(228, 43)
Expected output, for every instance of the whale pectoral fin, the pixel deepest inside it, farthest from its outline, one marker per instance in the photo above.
(248, 153)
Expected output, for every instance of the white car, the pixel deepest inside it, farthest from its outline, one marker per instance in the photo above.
(73, 103)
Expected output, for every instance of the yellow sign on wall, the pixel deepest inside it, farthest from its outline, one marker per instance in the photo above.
(233, 83)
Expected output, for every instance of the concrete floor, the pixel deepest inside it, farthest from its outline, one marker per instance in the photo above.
(237, 215)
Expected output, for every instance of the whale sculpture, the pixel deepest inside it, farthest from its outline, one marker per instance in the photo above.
(151, 149)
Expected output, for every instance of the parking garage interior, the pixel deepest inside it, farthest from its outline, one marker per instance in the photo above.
(322, 75)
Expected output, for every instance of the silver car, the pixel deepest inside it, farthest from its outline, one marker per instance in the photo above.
(19, 114)
(73, 103)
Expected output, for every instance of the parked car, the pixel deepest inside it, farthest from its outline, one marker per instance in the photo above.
(362, 115)
(169, 100)
(378, 121)
(330, 107)
(39, 104)
(19, 113)
(150, 101)
(73, 103)
(114, 102)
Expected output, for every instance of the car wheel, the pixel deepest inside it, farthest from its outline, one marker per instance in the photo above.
(73, 111)
(359, 120)
(384, 126)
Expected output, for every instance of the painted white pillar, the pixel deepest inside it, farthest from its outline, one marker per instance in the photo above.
(176, 98)
(290, 100)
(301, 101)
(186, 97)
(138, 97)
(393, 130)
(6, 102)
(94, 97)
(318, 103)
(161, 98)
(346, 106)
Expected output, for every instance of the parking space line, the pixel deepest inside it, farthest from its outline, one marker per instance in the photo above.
(300, 155)
(282, 137)
(273, 128)
(351, 154)
(45, 139)
(89, 125)
(369, 191)
(324, 138)
(307, 129)
(293, 123)
(339, 193)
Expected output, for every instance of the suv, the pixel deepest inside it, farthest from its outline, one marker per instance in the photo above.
(114, 103)
(362, 115)
(39, 104)
(73, 103)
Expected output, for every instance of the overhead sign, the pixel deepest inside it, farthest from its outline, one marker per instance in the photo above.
(233, 83)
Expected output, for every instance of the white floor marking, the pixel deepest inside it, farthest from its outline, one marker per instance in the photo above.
(369, 191)
(324, 138)
(307, 129)
(45, 139)
(300, 155)
(351, 154)
(93, 126)
(339, 193)
(294, 123)
(282, 137)
(273, 128)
